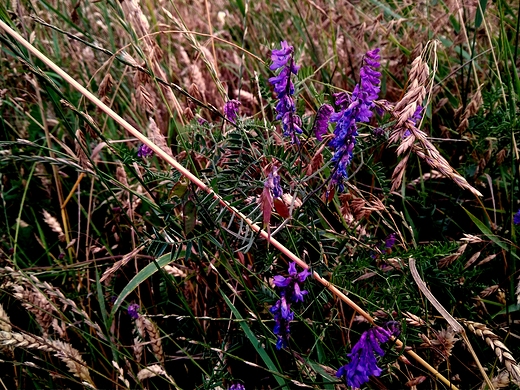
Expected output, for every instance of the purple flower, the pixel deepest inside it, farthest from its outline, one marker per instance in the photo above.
(321, 122)
(417, 115)
(231, 110)
(359, 109)
(390, 240)
(273, 183)
(133, 311)
(237, 386)
(144, 151)
(290, 293)
(516, 218)
(363, 360)
(284, 88)
(201, 121)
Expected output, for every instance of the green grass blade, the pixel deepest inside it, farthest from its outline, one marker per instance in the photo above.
(254, 341)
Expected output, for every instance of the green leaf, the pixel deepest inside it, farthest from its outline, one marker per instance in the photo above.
(489, 234)
(189, 216)
(144, 274)
(255, 342)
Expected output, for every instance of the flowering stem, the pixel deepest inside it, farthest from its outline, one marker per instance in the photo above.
(201, 185)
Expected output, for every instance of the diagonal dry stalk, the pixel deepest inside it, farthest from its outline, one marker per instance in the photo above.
(202, 186)
(457, 328)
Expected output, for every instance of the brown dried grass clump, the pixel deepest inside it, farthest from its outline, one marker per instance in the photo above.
(62, 350)
(503, 353)
(443, 344)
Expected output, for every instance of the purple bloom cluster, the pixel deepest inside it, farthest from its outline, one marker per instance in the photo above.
(363, 361)
(321, 122)
(283, 86)
(133, 311)
(231, 110)
(273, 183)
(144, 151)
(290, 293)
(359, 109)
(237, 386)
(516, 218)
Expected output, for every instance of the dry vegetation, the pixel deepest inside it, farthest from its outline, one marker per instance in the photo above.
(89, 227)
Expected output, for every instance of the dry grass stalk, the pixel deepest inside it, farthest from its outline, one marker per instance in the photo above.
(5, 322)
(42, 174)
(413, 320)
(144, 99)
(443, 344)
(500, 381)
(55, 295)
(472, 259)
(427, 176)
(446, 261)
(151, 371)
(138, 20)
(204, 53)
(471, 109)
(410, 138)
(62, 350)
(517, 292)
(138, 349)
(81, 146)
(53, 223)
(121, 175)
(157, 138)
(153, 334)
(106, 85)
(503, 353)
(121, 263)
(38, 304)
(488, 291)
(121, 374)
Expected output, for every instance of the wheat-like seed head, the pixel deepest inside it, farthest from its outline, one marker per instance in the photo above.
(155, 339)
(410, 138)
(499, 381)
(54, 294)
(53, 224)
(62, 350)
(503, 353)
(38, 304)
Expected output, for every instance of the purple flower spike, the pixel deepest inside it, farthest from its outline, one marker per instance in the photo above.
(360, 109)
(237, 386)
(144, 151)
(363, 360)
(231, 110)
(321, 122)
(273, 183)
(133, 311)
(290, 293)
(516, 218)
(284, 88)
